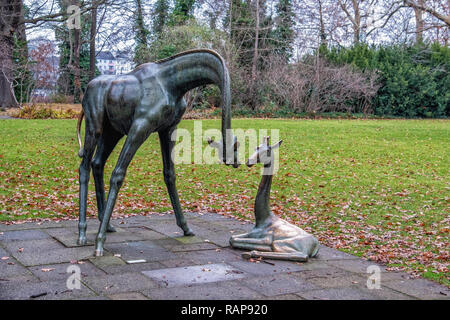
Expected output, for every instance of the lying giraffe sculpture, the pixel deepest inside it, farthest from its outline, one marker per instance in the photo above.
(145, 100)
(272, 237)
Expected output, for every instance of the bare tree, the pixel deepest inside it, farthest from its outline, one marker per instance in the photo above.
(13, 24)
(422, 6)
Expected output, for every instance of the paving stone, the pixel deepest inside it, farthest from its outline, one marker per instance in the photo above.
(167, 228)
(29, 225)
(326, 253)
(69, 239)
(94, 297)
(330, 277)
(420, 288)
(145, 220)
(172, 277)
(226, 290)
(337, 282)
(208, 216)
(178, 262)
(118, 283)
(209, 256)
(21, 235)
(146, 234)
(189, 239)
(106, 261)
(215, 235)
(147, 250)
(128, 296)
(354, 293)
(262, 268)
(10, 267)
(278, 284)
(282, 297)
(135, 267)
(45, 251)
(54, 272)
(52, 290)
(63, 231)
(394, 275)
(208, 225)
(385, 293)
(166, 242)
(354, 265)
(231, 225)
(193, 247)
(346, 293)
(20, 279)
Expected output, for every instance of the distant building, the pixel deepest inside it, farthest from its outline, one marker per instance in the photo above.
(124, 63)
(106, 62)
(109, 63)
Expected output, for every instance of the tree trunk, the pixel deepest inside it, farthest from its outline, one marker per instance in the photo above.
(323, 36)
(357, 22)
(92, 41)
(76, 66)
(76, 62)
(255, 58)
(419, 22)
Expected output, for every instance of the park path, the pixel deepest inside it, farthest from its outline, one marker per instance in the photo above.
(148, 258)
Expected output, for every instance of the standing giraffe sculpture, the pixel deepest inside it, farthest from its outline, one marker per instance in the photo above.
(272, 237)
(145, 100)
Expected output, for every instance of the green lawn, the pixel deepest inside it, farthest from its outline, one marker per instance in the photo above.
(374, 188)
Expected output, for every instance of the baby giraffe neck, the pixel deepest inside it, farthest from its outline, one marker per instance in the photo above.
(262, 206)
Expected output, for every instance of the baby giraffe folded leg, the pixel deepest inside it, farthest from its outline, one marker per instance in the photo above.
(292, 256)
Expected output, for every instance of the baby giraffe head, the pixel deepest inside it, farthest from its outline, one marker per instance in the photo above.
(263, 153)
(233, 158)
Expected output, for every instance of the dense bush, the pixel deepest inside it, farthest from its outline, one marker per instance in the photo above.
(38, 112)
(414, 80)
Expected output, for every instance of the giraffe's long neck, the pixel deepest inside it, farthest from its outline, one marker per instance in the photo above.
(195, 68)
(262, 205)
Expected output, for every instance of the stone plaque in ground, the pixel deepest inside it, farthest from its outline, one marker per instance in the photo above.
(181, 276)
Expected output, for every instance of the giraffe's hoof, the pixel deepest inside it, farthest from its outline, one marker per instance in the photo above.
(99, 253)
(110, 228)
(188, 232)
(82, 241)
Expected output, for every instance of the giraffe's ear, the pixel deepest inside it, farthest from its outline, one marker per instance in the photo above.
(276, 145)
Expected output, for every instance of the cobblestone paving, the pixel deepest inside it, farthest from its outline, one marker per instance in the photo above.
(148, 258)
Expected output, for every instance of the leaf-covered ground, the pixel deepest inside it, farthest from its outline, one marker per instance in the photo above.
(375, 188)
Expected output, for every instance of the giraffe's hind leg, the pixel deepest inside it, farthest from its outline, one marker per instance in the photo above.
(106, 143)
(90, 142)
(138, 133)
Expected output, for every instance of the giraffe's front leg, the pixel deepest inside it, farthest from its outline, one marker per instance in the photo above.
(139, 132)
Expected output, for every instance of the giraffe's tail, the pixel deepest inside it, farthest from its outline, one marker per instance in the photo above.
(80, 120)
